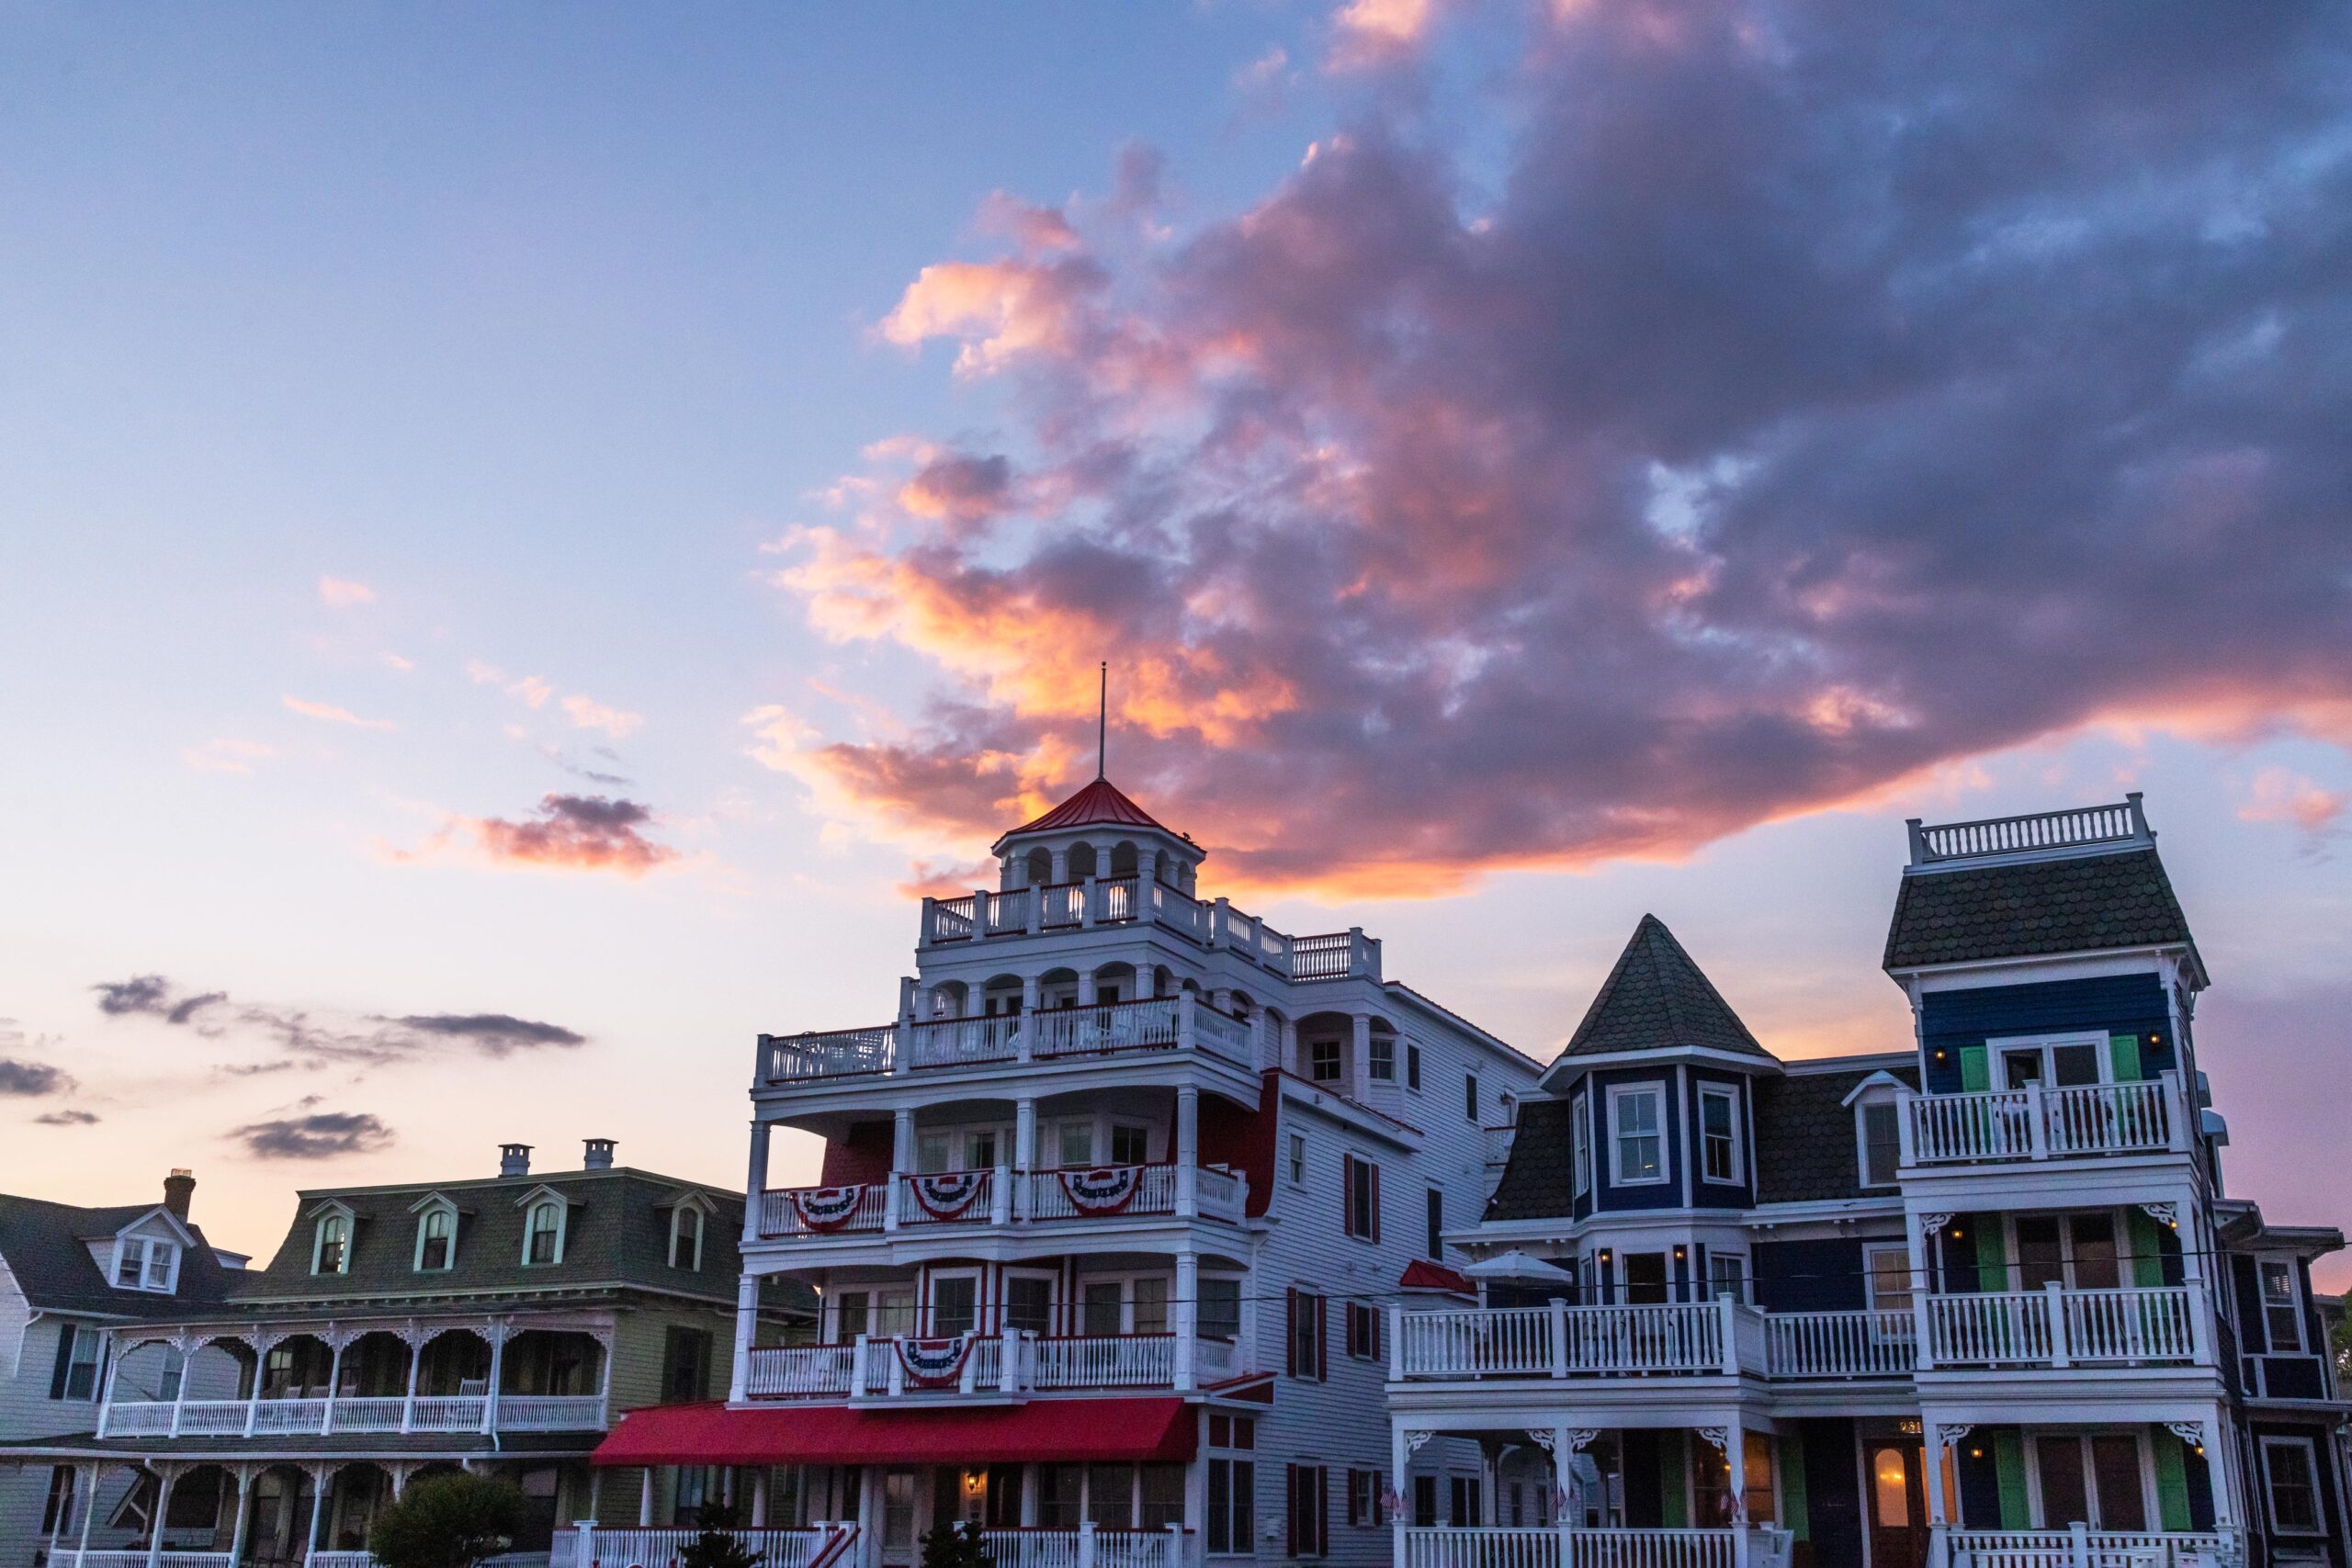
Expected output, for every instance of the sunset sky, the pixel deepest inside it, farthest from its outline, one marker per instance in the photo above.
(528, 535)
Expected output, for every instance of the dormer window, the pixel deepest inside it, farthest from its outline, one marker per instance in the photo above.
(147, 1263)
(436, 1239)
(1878, 1137)
(331, 1245)
(543, 1233)
(686, 1237)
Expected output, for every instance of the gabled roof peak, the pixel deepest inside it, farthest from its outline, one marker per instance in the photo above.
(1657, 999)
(1099, 804)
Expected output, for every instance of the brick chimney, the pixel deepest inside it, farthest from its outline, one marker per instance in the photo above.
(179, 1188)
(514, 1159)
(596, 1154)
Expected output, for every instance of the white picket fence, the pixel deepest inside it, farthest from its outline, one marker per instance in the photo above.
(819, 1546)
(2058, 1327)
(1087, 1546)
(1559, 1547)
(2084, 1548)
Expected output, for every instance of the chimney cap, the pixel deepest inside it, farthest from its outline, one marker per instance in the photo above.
(514, 1159)
(179, 1188)
(596, 1154)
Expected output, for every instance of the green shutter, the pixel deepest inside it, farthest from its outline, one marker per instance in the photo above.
(2147, 1252)
(1673, 1481)
(2009, 1465)
(1975, 1071)
(1992, 1263)
(2172, 1483)
(1793, 1511)
(2123, 1050)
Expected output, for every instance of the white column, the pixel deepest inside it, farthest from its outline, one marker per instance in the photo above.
(1915, 1239)
(260, 1366)
(1400, 1458)
(1287, 1046)
(1024, 1133)
(166, 1477)
(237, 1530)
(645, 1499)
(336, 1342)
(1147, 872)
(755, 1184)
(1060, 862)
(1188, 1150)
(1186, 1317)
(747, 1320)
(90, 1514)
(321, 1479)
(1939, 1520)
(760, 1497)
(2214, 1434)
(903, 1139)
(497, 1332)
(415, 1344)
(1360, 1054)
(1030, 988)
(1086, 988)
(179, 1395)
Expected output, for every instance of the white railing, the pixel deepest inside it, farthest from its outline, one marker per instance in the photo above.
(1566, 1341)
(1229, 1037)
(352, 1413)
(778, 1217)
(340, 1559)
(1335, 955)
(799, 1371)
(2120, 822)
(2035, 1122)
(1499, 1547)
(1149, 1024)
(872, 1367)
(2084, 1548)
(1651, 1548)
(1221, 1194)
(962, 1042)
(67, 1557)
(799, 1058)
(550, 1412)
(1087, 1546)
(974, 1207)
(449, 1413)
(818, 1547)
(1045, 1198)
(1476, 1547)
(365, 1413)
(1840, 1343)
(283, 1415)
(2059, 1328)
(1126, 1361)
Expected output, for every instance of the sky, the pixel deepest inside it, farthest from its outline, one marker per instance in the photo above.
(528, 537)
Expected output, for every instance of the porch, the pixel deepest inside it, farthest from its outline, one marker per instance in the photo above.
(1003, 1196)
(1011, 1364)
(2040, 1122)
(1718, 1338)
(1183, 1023)
(1566, 1546)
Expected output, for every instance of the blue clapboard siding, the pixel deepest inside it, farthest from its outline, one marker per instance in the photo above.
(2117, 1004)
(1809, 1275)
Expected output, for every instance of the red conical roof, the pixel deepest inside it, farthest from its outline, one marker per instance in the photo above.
(1098, 804)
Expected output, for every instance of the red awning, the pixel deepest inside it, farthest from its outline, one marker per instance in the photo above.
(1421, 1275)
(1046, 1430)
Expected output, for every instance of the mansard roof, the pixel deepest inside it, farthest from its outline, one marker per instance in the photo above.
(47, 1247)
(1807, 1149)
(1535, 1182)
(1099, 804)
(2079, 904)
(1655, 999)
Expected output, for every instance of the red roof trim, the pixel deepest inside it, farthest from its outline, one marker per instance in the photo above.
(1422, 1275)
(1042, 1431)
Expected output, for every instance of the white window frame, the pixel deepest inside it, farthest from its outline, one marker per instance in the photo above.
(319, 1242)
(1339, 1060)
(1729, 1097)
(1381, 1058)
(1050, 1277)
(562, 1220)
(2081, 1436)
(1618, 1095)
(84, 1333)
(2269, 1494)
(1063, 1127)
(1579, 1147)
(679, 1216)
(1298, 1159)
(1240, 1283)
(1998, 1051)
(425, 1215)
(2263, 1263)
(1862, 1107)
(1901, 1250)
(147, 1250)
(978, 1276)
(1125, 1279)
(1111, 1140)
(1714, 1287)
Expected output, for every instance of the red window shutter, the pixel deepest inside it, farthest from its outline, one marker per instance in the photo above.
(1372, 1329)
(1290, 1509)
(1322, 1510)
(1376, 1205)
(1322, 1337)
(1290, 1331)
(1347, 1194)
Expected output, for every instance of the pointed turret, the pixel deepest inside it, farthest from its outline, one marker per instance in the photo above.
(1655, 999)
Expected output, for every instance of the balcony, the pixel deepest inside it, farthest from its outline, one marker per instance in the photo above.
(590, 1545)
(1181, 1023)
(1719, 1339)
(982, 916)
(1003, 1197)
(1014, 1364)
(2056, 1327)
(1561, 1546)
(2084, 1548)
(2036, 1123)
(1087, 1546)
(322, 1417)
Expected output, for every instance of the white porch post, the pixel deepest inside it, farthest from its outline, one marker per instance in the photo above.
(1917, 1230)
(498, 1333)
(237, 1530)
(760, 1497)
(1188, 1150)
(1086, 979)
(1024, 1128)
(179, 1393)
(1360, 1054)
(261, 1343)
(645, 1499)
(754, 1188)
(747, 1319)
(1187, 1314)
(166, 1477)
(1939, 1519)
(322, 1477)
(337, 1340)
(89, 1515)
(415, 1340)
(1400, 1486)
(2219, 1478)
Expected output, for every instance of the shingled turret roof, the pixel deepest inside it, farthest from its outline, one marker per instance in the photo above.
(1657, 1000)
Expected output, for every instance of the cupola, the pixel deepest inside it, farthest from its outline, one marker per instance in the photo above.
(1096, 832)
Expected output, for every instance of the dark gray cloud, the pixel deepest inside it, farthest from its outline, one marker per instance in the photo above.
(319, 1134)
(67, 1119)
(574, 832)
(1767, 402)
(32, 1081)
(315, 1037)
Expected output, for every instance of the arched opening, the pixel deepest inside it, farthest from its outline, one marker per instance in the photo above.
(298, 1367)
(947, 999)
(1326, 1041)
(1123, 858)
(356, 1492)
(453, 1364)
(375, 1366)
(277, 1517)
(147, 1371)
(1057, 989)
(1082, 861)
(1040, 866)
(1116, 983)
(550, 1362)
(1001, 994)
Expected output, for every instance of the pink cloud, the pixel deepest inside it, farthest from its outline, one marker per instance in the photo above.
(2280, 796)
(342, 593)
(333, 715)
(568, 832)
(587, 714)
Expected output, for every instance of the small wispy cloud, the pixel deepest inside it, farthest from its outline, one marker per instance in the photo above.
(318, 1035)
(569, 832)
(333, 715)
(395, 661)
(319, 1135)
(32, 1081)
(66, 1119)
(342, 592)
(2286, 798)
(587, 714)
(226, 756)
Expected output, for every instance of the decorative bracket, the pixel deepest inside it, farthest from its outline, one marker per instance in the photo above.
(2189, 1432)
(1951, 1437)
(1932, 1222)
(1413, 1440)
(1717, 1436)
(2163, 1213)
(1541, 1439)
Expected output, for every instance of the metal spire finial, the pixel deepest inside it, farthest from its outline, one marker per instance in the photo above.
(1103, 721)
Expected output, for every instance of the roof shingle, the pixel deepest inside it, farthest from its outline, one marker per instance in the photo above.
(2082, 904)
(1656, 998)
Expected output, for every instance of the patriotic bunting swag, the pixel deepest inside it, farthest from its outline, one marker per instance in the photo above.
(1103, 1191)
(934, 1363)
(827, 1208)
(946, 1197)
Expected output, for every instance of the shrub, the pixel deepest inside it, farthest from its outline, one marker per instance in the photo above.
(447, 1521)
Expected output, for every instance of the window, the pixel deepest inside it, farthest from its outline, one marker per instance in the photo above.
(1580, 1148)
(146, 1263)
(1233, 1487)
(1160, 1495)
(1363, 1331)
(1719, 1132)
(1323, 1061)
(1111, 1496)
(1425, 1502)
(1029, 1304)
(331, 1246)
(2283, 1311)
(1220, 1316)
(686, 1237)
(2290, 1481)
(543, 1233)
(685, 1365)
(979, 1150)
(1437, 1224)
(1057, 1492)
(1887, 1271)
(1384, 1058)
(850, 1317)
(1360, 1198)
(1102, 1308)
(954, 1305)
(930, 1153)
(57, 1512)
(1635, 1134)
(2093, 1481)
(1364, 1497)
(1413, 1066)
(1305, 1335)
(1882, 1143)
(436, 1240)
(1465, 1498)
(1470, 1096)
(2060, 1062)
(1726, 1276)
(1076, 1148)
(1298, 1159)
(1151, 1304)
(1309, 1508)
(1130, 1145)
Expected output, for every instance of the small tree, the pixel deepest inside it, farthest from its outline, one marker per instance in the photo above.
(956, 1546)
(447, 1521)
(714, 1546)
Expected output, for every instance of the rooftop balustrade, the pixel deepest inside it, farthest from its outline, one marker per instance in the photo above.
(981, 915)
(1105, 1029)
(2035, 1122)
(2082, 827)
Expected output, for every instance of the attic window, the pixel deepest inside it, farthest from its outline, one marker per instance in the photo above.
(543, 1233)
(686, 1237)
(331, 1246)
(436, 1240)
(147, 1263)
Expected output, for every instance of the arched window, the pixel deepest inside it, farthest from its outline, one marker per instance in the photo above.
(436, 1240)
(686, 1237)
(331, 1246)
(543, 1233)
